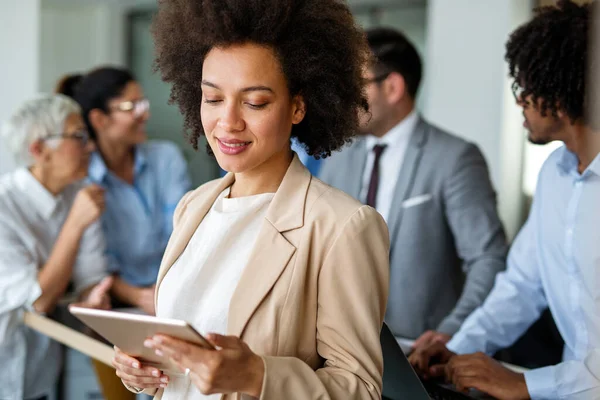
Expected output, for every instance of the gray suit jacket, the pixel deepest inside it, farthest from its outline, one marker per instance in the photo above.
(447, 242)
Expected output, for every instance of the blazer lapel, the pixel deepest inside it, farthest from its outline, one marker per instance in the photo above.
(272, 251)
(407, 175)
(197, 209)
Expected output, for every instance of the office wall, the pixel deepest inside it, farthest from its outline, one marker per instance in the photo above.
(77, 37)
(19, 46)
(469, 92)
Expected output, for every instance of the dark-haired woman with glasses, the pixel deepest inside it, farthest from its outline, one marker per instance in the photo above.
(144, 180)
(49, 235)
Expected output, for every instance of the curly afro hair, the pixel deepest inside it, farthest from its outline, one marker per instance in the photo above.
(548, 56)
(321, 49)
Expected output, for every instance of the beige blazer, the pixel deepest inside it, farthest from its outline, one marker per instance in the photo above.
(312, 297)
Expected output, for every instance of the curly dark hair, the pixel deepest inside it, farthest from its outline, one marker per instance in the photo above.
(548, 57)
(320, 47)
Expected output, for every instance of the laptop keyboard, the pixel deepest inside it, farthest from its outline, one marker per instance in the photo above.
(437, 392)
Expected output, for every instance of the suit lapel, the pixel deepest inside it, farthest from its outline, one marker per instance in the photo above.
(407, 175)
(196, 210)
(356, 160)
(272, 251)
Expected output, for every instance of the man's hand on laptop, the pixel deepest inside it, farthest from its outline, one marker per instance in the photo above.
(430, 337)
(430, 361)
(480, 371)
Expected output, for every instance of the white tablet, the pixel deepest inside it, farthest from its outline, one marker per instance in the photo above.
(128, 332)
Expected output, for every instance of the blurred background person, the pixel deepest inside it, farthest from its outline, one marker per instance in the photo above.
(555, 260)
(143, 180)
(434, 191)
(49, 234)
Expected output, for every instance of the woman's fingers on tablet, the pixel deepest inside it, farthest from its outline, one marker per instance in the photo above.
(124, 359)
(140, 381)
(132, 372)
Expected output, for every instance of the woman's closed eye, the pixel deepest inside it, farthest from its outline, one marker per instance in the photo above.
(212, 101)
(254, 106)
(257, 106)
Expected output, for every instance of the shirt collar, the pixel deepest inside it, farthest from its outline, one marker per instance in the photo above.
(97, 170)
(140, 160)
(568, 162)
(43, 201)
(397, 135)
(595, 165)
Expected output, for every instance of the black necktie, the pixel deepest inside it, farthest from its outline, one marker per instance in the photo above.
(374, 182)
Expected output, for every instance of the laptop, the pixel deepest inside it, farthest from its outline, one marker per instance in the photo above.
(401, 382)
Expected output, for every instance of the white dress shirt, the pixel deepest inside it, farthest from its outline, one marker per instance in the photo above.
(30, 221)
(554, 262)
(390, 162)
(199, 286)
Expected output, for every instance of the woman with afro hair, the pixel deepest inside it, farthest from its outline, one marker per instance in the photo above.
(286, 276)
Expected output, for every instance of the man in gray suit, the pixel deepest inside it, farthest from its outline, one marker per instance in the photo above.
(434, 191)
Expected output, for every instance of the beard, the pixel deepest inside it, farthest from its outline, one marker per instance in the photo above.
(537, 138)
(537, 141)
(542, 136)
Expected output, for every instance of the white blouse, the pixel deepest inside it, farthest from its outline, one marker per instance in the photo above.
(30, 221)
(199, 286)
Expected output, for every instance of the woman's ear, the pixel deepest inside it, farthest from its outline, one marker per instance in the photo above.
(299, 108)
(97, 119)
(39, 151)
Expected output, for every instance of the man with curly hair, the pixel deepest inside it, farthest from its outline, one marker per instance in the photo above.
(555, 260)
(434, 191)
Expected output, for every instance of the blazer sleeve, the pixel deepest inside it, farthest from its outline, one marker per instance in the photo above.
(352, 294)
(470, 203)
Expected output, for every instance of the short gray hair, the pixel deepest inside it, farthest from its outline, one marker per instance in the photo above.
(36, 119)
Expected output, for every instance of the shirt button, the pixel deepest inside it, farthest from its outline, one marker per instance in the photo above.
(569, 232)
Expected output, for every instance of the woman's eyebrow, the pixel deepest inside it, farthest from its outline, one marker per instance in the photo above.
(257, 88)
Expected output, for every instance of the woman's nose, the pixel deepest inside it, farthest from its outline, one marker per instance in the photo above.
(231, 119)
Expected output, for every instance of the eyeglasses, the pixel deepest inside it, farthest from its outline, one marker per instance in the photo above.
(135, 107)
(377, 79)
(82, 136)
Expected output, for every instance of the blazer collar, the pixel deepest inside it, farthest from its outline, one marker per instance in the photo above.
(419, 135)
(286, 211)
(287, 208)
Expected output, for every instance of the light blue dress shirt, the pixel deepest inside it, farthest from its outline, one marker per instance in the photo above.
(554, 262)
(138, 218)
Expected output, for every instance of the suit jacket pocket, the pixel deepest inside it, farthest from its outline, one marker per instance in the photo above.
(416, 200)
